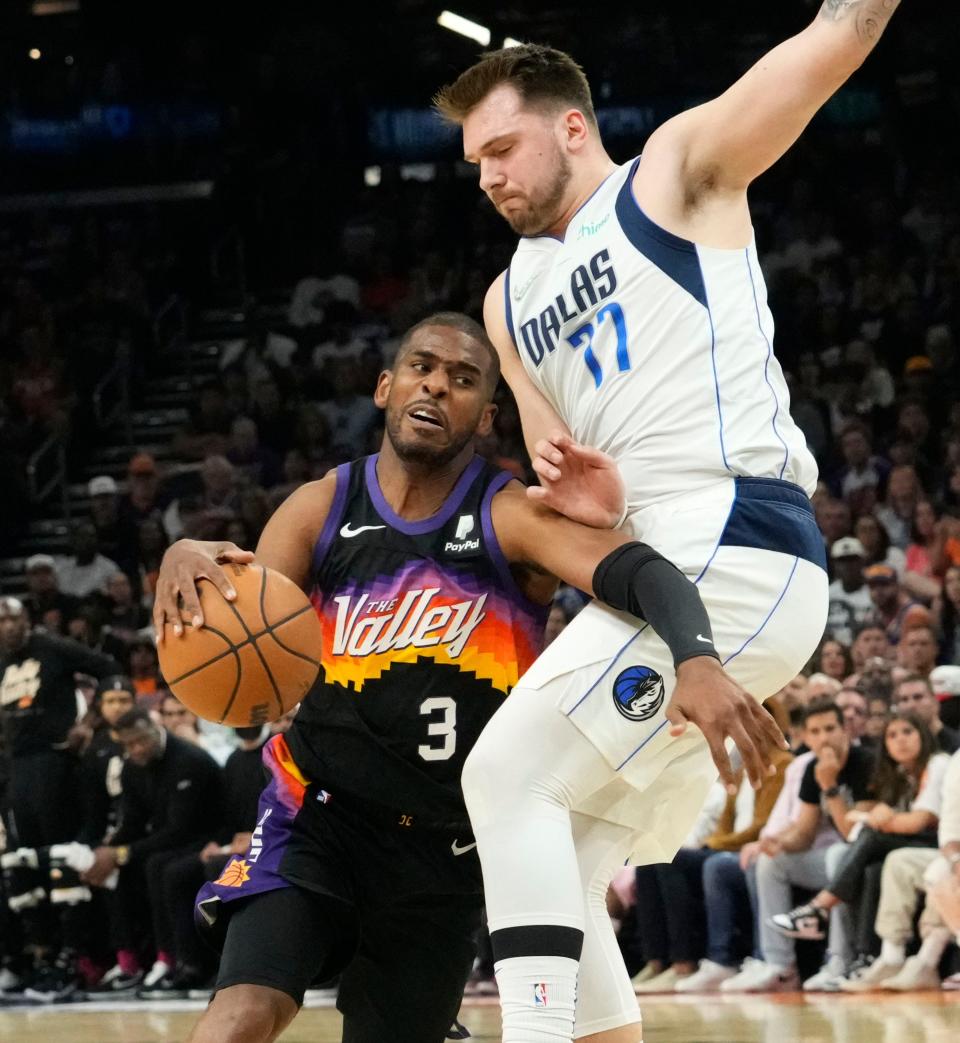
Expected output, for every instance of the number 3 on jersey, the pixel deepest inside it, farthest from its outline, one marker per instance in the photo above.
(588, 331)
(445, 729)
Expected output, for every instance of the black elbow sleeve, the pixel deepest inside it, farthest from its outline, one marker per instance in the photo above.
(637, 579)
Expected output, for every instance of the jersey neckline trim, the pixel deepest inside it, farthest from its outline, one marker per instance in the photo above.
(563, 238)
(424, 525)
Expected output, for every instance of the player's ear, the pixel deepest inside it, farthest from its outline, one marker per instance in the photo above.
(383, 388)
(486, 420)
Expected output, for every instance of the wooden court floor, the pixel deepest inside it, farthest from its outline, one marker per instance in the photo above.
(918, 1018)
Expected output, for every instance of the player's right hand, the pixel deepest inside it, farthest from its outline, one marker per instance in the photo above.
(707, 696)
(183, 565)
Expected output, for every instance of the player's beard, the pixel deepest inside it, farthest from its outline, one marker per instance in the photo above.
(423, 453)
(544, 208)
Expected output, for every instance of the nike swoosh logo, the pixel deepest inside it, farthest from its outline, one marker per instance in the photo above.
(456, 848)
(520, 291)
(347, 533)
(705, 640)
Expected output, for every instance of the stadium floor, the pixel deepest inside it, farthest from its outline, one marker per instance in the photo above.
(928, 1017)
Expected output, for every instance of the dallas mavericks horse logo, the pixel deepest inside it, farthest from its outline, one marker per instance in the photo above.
(638, 693)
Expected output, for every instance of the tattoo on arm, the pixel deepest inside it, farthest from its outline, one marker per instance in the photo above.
(869, 17)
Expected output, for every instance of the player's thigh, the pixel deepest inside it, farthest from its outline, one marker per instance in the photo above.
(530, 750)
(285, 939)
(406, 981)
(605, 996)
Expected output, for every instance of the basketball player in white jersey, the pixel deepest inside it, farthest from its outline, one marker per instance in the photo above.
(633, 318)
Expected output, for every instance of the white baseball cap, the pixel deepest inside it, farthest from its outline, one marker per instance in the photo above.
(102, 485)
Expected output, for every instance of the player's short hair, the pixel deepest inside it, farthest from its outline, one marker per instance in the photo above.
(821, 706)
(464, 324)
(543, 77)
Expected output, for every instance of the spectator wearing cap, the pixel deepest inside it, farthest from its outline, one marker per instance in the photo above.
(116, 536)
(863, 475)
(890, 603)
(45, 602)
(914, 694)
(86, 571)
(946, 686)
(850, 603)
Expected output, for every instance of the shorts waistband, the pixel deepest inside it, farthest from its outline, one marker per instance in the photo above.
(382, 815)
(771, 514)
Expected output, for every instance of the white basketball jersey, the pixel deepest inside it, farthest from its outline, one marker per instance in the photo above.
(655, 349)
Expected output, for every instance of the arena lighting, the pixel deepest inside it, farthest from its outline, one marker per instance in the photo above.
(511, 42)
(34, 53)
(457, 24)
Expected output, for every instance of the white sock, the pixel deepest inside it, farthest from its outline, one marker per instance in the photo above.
(893, 954)
(934, 946)
(538, 995)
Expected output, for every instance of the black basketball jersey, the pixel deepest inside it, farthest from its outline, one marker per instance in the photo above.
(424, 633)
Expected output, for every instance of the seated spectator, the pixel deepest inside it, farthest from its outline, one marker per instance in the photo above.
(878, 713)
(151, 543)
(820, 686)
(861, 470)
(86, 571)
(853, 706)
(919, 579)
(876, 543)
(907, 875)
(918, 650)
(907, 783)
(804, 851)
(833, 659)
(218, 497)
(914, 694)
(871, 642)
(88, 627)
(124, 616)
(142, 499)
(890, 603)
(947, 614)
(144, 671)
(945, 681)
(102, 762)
(850, 602)
(349, 414)
(896, 514)
(207, 431)
(171, 803)
(257, 464)
(46, 603)
(184, 723)
(116, 535)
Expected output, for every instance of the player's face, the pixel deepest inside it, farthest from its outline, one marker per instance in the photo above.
(524, 169)
(436, 397)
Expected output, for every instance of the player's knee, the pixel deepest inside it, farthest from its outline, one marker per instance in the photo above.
(245, 1014)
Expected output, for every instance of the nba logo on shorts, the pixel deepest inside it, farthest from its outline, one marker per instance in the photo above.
(638, 693)
(540, 994)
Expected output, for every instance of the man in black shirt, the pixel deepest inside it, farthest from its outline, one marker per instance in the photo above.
(835, 781)
(39, 705)
(171, 802)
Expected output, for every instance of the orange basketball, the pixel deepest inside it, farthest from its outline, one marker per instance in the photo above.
(254, 658)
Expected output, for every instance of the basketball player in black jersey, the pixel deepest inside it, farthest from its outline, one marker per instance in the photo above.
(431, 572)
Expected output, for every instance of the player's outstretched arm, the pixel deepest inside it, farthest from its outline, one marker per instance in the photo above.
(723, 145)
(580, 482)
(286, 546)
(633, 577)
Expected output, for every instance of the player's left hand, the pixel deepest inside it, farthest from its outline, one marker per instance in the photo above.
(705, 695)
(578, 481)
